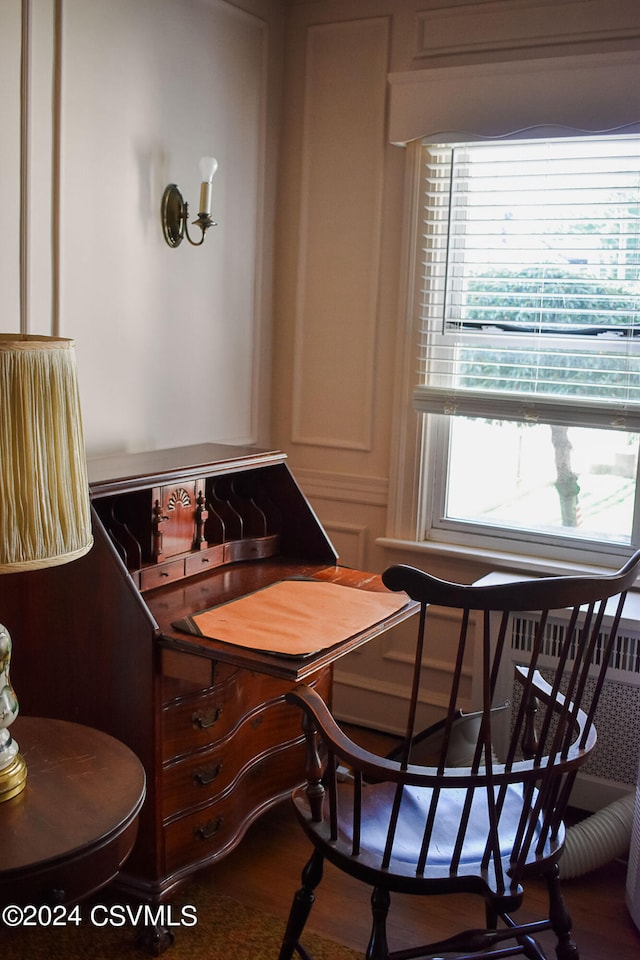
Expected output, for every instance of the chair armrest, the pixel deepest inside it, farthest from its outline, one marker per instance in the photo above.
(316, 710)
(586, 735)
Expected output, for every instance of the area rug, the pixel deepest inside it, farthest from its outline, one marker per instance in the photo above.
(224, 930)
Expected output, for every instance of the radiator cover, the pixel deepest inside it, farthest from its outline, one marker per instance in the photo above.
(612, 769)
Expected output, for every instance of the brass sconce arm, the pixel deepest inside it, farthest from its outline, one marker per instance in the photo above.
(175, 219)
(175, 210)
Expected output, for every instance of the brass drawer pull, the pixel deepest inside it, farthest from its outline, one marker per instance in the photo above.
(207, 775)
(206, 720)
(209, 829)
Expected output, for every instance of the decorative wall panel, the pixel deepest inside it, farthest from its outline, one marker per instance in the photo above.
(350, 542)
(342, 180)
(511, 25)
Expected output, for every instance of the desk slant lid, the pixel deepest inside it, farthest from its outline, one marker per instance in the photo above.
(172, 514)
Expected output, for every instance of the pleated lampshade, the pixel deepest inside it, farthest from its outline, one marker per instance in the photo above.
(44, 493)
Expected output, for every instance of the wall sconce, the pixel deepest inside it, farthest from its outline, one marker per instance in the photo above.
(175, 210)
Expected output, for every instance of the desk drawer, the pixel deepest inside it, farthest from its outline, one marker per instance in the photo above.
(161, 574)
(212, 831)
(205, 775)
(193, 723)
(203, 560)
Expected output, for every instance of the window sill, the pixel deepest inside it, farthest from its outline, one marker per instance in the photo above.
(498, 559)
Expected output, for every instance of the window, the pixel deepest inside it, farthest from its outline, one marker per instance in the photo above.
(529, 358)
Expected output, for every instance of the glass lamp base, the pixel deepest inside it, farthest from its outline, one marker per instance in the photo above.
(13, 778)
(13, 769)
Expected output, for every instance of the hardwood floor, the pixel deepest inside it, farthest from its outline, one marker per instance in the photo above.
(264, 871)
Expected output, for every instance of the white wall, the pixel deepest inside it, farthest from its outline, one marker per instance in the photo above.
(172, 344)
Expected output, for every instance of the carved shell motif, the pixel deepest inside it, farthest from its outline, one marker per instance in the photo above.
(179, 497)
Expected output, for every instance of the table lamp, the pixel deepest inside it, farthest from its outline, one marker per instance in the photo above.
(45, 515)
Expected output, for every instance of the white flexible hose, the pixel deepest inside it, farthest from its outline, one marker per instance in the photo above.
(599, 839)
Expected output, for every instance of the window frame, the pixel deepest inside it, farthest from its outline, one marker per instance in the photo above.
(437, 527)
(416, 488)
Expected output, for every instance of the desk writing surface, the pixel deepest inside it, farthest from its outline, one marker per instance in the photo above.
(175, 602)
(297, 617)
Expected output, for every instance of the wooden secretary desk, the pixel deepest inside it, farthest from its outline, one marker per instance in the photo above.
(177, 532)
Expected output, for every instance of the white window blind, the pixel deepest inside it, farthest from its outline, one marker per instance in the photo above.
(531, 281)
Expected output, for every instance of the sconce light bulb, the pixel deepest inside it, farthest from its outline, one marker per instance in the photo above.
(208, 167)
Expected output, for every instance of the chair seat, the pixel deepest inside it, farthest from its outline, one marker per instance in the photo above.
(377, 799)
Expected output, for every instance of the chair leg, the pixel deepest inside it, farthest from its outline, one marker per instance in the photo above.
(560, 917)
(378, 948)
(491, 915)
(301, 906)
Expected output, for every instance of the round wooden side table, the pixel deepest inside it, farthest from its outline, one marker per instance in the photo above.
(73, 826)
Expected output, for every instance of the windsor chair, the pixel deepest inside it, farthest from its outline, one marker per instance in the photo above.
(485, 828)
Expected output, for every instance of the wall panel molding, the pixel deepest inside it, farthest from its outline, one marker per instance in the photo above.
(340, 224)
(509, 26)
(350, 540)
(27, 164)
(25, 113)
(261, 340)
(44, 155)
(10, 82)
(56, 167)
(348, 488)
